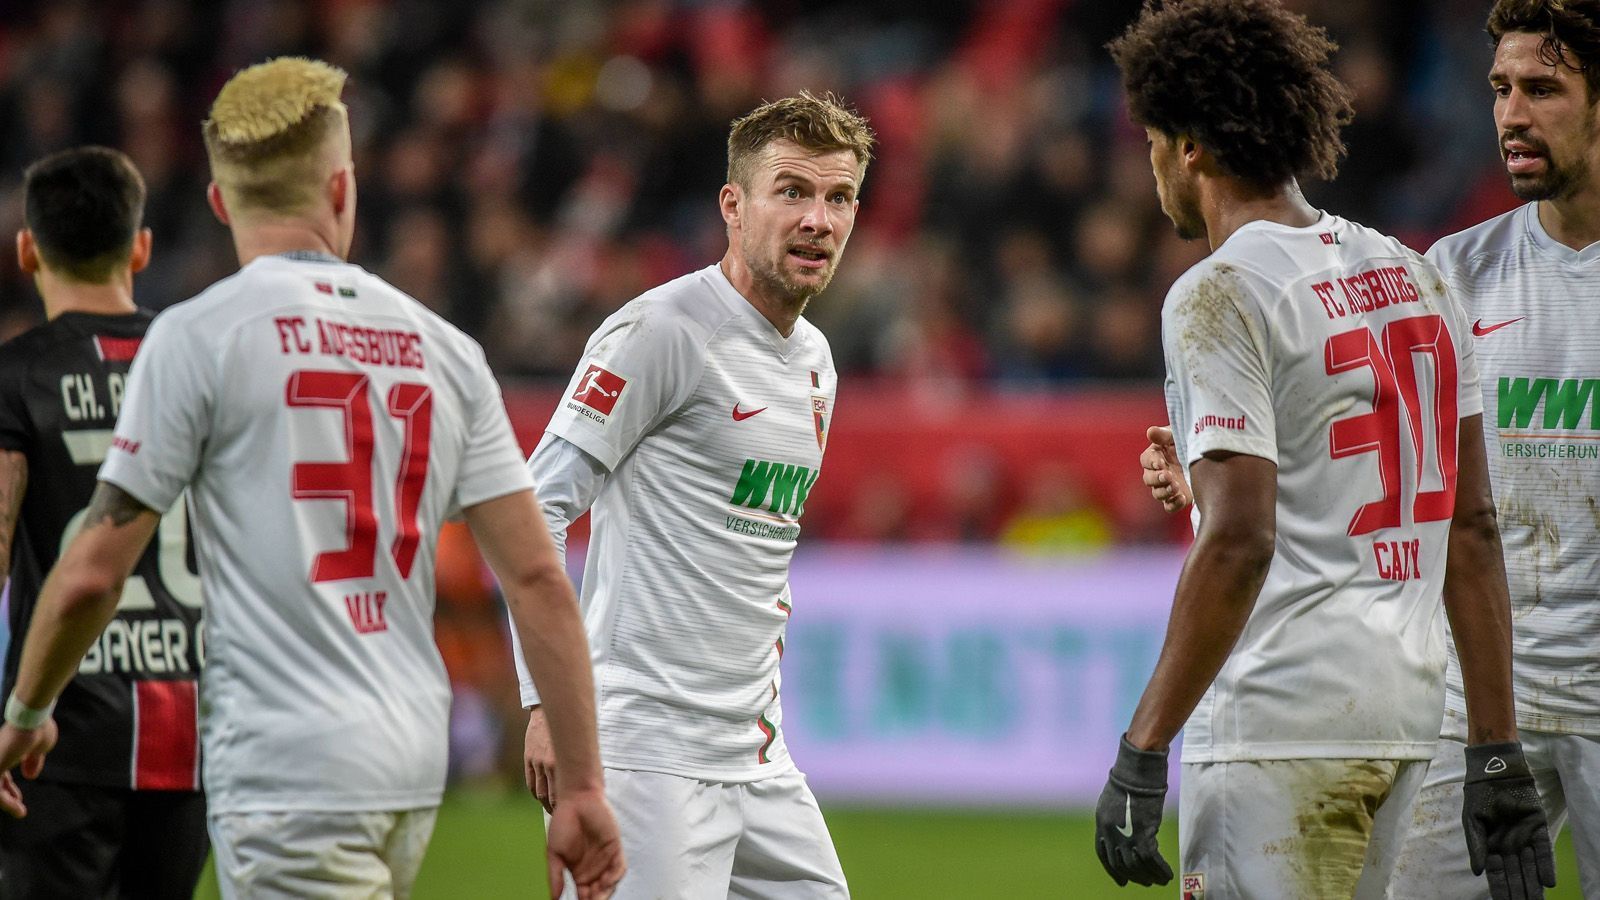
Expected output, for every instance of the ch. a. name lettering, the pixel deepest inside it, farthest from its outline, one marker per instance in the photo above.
(1366, 291)
(370, 346)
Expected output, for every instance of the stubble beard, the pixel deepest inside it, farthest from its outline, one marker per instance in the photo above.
(1559, 181)
(769, 275)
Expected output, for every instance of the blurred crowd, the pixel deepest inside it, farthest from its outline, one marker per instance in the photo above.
(526, 166)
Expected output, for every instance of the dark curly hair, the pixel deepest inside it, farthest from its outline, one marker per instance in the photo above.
(1247, 79)
(1571, 30)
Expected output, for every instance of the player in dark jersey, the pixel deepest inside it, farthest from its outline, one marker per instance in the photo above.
(117, 810)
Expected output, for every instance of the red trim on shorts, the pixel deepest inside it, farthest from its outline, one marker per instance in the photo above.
(166, 753)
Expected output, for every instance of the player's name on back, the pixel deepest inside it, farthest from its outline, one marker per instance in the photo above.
(372, 346)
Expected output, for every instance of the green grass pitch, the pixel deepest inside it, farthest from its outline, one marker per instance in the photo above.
(491, 846)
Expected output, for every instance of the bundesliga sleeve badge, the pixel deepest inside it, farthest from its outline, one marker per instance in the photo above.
(598, 390)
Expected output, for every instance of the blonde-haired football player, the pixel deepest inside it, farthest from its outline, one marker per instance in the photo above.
(325, 423)
(695, 427)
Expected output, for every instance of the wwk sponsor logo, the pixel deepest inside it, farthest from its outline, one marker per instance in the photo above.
(1564, 403)
(779, 487)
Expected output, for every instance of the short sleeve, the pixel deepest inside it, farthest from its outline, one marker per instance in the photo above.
(1219, 384)
(638, 368)
(16, 426)
(491, 460)
(166, 414)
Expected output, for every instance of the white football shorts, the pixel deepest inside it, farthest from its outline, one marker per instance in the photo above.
(687, 839)
(1433, 860)
(1304, 828)
(343, 855)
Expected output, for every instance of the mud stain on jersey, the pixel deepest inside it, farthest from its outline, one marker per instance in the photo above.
(1432, 290)
(1544, 532)
(1333, 824)
(1209, 313)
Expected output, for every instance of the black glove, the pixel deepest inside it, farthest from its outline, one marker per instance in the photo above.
(1506, 830)
(1129, 815)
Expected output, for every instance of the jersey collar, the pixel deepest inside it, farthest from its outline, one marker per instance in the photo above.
(310, 256)
(1553, 247)
(783, 346)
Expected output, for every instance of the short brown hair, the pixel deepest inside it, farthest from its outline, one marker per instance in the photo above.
(1570, 28)
(1247, 79)
(267, 130)
(84, 207)
(818, 124)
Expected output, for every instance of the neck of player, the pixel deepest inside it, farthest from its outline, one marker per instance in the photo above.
(781, 311)
(284, 236)
(1575, 220)
(1228, 204)
(63, 295)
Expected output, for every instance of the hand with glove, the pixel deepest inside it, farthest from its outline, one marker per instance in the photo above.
(1129, 815)
(1506, 831)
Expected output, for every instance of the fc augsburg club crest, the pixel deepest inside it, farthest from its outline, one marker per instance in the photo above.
(819, 415)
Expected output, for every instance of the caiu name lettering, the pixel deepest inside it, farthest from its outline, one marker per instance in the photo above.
(1398, 560)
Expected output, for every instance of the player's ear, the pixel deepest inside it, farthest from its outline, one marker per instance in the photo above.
(218, 207)
(1190, 151)
(339, 184)
(27, 252)
(140, 257)
(729, 201)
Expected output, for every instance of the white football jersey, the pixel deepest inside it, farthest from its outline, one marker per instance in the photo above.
(712, 425)
(1337, 354)
(326, 423)
(1532, 303)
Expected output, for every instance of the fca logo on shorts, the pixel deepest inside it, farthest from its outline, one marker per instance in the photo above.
(599, 390)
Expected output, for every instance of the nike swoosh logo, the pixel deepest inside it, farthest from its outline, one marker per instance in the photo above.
(1478, 329)
(740, 416)
(1126, 828)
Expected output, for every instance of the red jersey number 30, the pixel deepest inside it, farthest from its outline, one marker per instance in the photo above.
(1396, 399)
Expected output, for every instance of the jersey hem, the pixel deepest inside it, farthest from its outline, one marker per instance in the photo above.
(1404, 750)
(325, 803)
(1544, 724)
(739, 775)
(105, 781)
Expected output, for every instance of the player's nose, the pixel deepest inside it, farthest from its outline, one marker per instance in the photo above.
(1514, 111)
(817, 219)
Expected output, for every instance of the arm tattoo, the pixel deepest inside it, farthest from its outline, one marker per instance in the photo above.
(13, 483)
(111, 504)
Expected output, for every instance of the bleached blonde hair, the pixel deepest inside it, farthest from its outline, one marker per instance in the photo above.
(268, 132)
